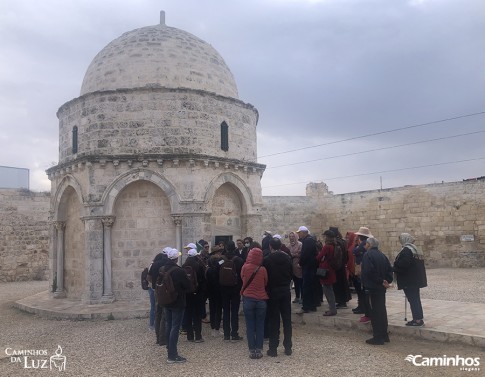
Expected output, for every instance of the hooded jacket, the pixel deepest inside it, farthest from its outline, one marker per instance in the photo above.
(257, 288)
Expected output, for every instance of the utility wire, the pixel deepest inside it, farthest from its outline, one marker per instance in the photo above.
(383, 171)
(378, 133)
(377, 149)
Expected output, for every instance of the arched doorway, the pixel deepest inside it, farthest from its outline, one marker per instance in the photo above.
(227, 213)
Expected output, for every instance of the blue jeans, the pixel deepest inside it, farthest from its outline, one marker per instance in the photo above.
(173, 320)
(151, 293)
(254, 313)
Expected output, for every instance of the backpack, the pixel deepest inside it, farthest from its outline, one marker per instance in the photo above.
(227, 273)
(338, 256)
(144, 279)
(192, 275)
(166, 292)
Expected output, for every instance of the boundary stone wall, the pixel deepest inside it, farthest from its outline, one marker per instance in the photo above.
(24, 235)
(447, 219)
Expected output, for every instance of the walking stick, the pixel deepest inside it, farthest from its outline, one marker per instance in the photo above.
(405, 309)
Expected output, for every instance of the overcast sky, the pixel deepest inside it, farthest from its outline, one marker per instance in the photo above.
(319, 72)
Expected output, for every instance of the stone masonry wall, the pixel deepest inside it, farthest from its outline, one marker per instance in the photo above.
(448, 220)
(24, 235)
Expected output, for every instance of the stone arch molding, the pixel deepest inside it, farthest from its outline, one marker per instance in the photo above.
(235, 181)
(67, 181)
(140, 174)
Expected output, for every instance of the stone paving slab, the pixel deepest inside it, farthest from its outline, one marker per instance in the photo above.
(445, 321)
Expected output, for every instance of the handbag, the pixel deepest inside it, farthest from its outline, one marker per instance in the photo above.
(250, 279)
(322, 273)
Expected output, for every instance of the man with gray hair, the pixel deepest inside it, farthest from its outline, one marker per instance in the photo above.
(376, 277)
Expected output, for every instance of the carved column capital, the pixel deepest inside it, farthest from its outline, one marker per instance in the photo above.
(59, 225)
(108, 221)
(177, 220)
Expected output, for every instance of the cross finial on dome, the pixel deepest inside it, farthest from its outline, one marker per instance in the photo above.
(162, 17)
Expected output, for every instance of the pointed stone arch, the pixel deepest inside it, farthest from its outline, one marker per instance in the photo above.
(58, 209)
(236, 182)
(109, 197)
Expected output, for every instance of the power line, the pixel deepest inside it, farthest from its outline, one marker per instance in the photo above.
(383, 171)
(377, 133)
(377, 149)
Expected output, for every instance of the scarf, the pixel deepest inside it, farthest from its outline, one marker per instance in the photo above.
(407, 241)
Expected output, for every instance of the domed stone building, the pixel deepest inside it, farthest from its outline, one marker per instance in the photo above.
(158, 150)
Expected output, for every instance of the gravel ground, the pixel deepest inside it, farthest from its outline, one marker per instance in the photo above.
(126, 347)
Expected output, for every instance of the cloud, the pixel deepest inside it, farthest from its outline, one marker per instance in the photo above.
(317, 71)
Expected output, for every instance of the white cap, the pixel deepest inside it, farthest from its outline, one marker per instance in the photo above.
(277, 236)
(192, 252)
(190, 246)
(173, 253)
(302, 229)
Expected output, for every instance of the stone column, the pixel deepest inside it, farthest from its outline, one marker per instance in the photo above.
(93, 260)
(178, 234)
(107, 226)
(60, 227)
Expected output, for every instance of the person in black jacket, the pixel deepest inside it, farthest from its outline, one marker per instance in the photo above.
(308, 264)
(376, 277)
(214, 294)
(174, 313)
(279, 267)
(195, 300)
(231, 297)
(411, 276)
(159, 261)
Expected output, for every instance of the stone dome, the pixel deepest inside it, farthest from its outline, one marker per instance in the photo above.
(159, 56)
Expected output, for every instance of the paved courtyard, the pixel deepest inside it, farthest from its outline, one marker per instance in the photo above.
(454, 306)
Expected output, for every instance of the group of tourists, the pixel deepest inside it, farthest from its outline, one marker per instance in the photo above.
(261, 276)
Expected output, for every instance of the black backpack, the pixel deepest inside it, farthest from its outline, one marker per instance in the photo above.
(192, 275)
(144, 279)
(228, 273)
(166, 292)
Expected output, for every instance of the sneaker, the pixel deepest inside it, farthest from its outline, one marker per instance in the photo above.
(288, 351)
(341, 306)
(259, 354)
(227, 337)
(296, 301)
(272, 353)
(236, 338)
(252, 354)
(329, 314)
(386, 339)
(358, 311)
(364, 319)
(178, 359)
(199, 340)
(414, 323)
